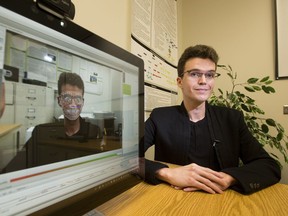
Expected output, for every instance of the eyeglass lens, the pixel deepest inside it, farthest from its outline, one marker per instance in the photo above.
(67, 98)
(198, 74)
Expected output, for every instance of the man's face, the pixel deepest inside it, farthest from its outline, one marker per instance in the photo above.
(71, 100)
(196, 83)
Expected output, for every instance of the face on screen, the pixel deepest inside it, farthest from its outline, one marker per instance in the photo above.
(70, 98)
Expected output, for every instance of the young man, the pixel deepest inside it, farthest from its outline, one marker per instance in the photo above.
(206, 141)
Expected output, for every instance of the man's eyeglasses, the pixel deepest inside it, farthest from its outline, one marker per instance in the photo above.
(67, 98)
(195, 74)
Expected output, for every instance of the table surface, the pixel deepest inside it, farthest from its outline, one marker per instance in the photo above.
(7, 128)
(103, 144)
(145, 199)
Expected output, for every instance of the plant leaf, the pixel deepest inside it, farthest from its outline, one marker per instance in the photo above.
(252, 80)
(279, 136)
(256, 88)
(230, 75)
(244, 107)
(264, 79)
(268, 89)
(268, 82)
(223, 66)
(270, 122)
(250, 89)
(264, 128)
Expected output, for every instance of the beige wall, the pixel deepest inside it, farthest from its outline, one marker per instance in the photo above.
(109, 19)
(243, 33)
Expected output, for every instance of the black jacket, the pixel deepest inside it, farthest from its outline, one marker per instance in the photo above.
(37, 152)
(168, 129)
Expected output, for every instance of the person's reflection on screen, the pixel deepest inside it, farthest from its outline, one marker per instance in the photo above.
(61, 140)
(2, 93)
(70, 99)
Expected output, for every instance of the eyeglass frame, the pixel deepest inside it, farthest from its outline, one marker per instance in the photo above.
(72, 97)
(200, 74)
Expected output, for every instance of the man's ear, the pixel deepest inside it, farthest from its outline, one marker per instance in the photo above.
(179, 82)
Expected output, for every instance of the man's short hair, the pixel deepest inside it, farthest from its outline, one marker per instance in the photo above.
(197, 51)
(71, 79)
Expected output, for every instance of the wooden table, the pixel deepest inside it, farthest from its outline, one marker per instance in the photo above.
(145, 199)
(9, 143)
(8, 128)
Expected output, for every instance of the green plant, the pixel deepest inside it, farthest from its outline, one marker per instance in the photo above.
(266, 130)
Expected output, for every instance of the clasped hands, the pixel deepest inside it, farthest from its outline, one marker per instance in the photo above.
(193, 177)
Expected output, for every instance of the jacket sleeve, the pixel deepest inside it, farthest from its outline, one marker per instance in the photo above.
(258, 169)
(151, 167)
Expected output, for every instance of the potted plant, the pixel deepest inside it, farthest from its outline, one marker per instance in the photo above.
(266, 130)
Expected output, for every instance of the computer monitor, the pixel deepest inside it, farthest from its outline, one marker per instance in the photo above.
(45, 167)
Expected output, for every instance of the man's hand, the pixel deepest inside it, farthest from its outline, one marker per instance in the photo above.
(193, 177)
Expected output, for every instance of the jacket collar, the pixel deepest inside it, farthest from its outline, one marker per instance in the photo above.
(184, 111)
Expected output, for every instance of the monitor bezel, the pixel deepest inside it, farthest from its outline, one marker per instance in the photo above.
(31, 11)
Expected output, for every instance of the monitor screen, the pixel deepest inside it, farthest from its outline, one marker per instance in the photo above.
(73, 116)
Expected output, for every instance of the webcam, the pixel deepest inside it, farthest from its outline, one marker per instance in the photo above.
(59, 8)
